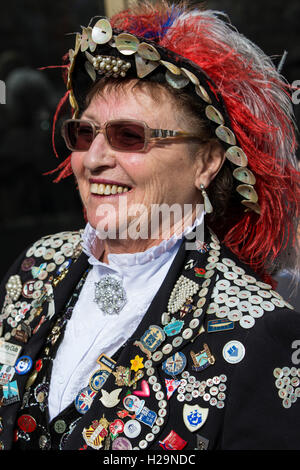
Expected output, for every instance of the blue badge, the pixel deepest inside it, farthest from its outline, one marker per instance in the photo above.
(174, 327)
(36, 271)
(219, 324)
(147, 416)
(98, 379)
(23, 365)
(84, 400)
(10, 393)
(175, 364)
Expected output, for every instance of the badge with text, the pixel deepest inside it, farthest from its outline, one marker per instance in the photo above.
(9, 353)
(10, 393)
(172, 442)
(147, 416)
(171, 386)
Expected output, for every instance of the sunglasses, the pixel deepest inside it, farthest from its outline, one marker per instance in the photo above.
(123, 134)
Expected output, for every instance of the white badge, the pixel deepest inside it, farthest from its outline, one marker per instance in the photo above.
(9, 353)
(233, 352)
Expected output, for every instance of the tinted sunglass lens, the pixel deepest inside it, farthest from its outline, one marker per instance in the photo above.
(80, 135)
(126, 135)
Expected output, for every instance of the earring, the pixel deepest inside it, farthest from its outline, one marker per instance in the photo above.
(207, 204)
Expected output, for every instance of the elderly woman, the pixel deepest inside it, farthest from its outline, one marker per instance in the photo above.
(144, 331)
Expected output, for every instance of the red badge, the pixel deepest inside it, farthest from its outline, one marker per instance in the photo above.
(173, 442)
(27, 423)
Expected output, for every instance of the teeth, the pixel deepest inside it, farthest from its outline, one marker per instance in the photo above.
(107, 189)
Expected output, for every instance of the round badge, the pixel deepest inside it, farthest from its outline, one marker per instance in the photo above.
(23, 365)
(27, 423)
(27, 264)
(233, 352)
(98, 379)
(28, 289)
(132, 428)
(60, 426)
(175, 364)
(247, 321)
(84, 400)
(121, 443)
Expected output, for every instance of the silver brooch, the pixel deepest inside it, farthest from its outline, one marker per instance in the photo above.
(110, 295)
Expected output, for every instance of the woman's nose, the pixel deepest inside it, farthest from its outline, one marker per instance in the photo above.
(99, 155)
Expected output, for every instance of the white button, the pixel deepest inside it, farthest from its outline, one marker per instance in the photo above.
(268, 306)
(187, 333)
(277, 302)
(255, 299)
(143, 444)
(230, 275)
(232, 302)
(194, 323)
(167, 348)
(221, 298)
(248, 278)
(240, 282)
(252, 287)
(263, 285)
(244, 306)
(221, 267)
(233, 290)
(243, 294)
(238, 270)
(222, 312)
(156, 387)
(256, 311)
(228, 262)
(247, 321)
(223, 284)
(264, 293)
(212, 308)
(235, 315)
(206, 283)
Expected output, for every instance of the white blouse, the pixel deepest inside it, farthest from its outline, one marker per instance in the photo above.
(90, 332)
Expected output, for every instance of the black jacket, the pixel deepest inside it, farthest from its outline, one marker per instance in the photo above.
(239, 379)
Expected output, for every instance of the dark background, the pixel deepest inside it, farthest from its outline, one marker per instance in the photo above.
(33, 35)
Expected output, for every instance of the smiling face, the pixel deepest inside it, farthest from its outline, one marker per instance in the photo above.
(114, 183)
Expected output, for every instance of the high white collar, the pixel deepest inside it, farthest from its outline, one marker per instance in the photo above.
(90, 242)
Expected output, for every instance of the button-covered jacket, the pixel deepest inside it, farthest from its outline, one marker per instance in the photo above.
(214, 364)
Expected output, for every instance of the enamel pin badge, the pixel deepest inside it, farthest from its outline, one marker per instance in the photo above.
(203, 359)
(96, 433)
(194, 416)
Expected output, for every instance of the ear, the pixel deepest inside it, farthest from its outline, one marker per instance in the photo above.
(208, 163)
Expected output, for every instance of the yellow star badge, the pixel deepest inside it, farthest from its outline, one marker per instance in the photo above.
(137, 363)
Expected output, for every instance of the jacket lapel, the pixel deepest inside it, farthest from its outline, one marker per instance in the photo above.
(155, 346)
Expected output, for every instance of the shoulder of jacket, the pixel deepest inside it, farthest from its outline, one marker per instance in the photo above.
(239, 295)
(45, 259)
(60, 241)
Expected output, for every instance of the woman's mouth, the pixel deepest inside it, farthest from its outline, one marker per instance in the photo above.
(101, 189)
